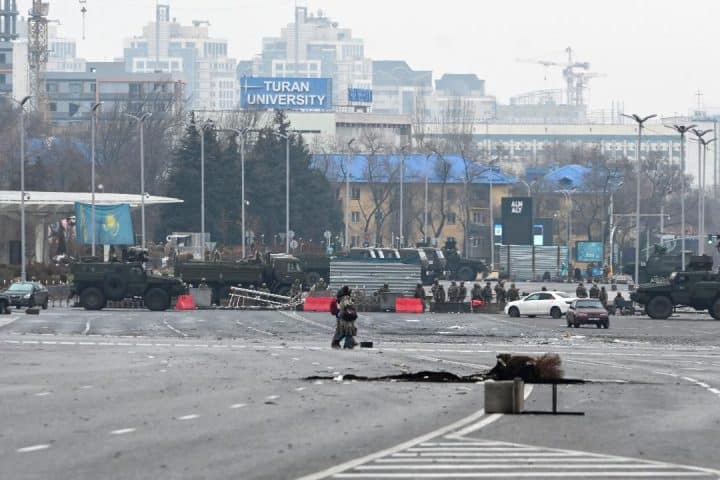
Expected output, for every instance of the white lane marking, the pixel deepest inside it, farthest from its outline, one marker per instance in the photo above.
(7, 321)
(300, 318)
(237, 405)
(87, 328)
(189, 417)
(264, 332)
(33, 448)
(272, 397)
(122, 431)
(703, 385)
(43, 394)
(485, 421)
(179, 332)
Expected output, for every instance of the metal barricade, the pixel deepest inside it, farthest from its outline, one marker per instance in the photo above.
(244, 298)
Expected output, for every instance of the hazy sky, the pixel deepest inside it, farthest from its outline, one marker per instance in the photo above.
(656, 54)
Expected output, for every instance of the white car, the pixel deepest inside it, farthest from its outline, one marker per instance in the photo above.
(553, 303)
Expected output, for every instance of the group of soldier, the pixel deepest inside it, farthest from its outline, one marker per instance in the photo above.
(458, 293)
(595, 292)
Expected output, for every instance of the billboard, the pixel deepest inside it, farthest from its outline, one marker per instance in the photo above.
(517, 221)
(360, 95)
(113, 225)
(286, 93)
(589, 251)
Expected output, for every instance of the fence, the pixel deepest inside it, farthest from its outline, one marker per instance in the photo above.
(529, 262)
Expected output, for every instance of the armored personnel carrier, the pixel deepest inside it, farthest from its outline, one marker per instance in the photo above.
(697, 287)
(97, 282)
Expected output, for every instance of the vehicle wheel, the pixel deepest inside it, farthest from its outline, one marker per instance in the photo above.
(115, 286)
(532, 316)
(311, 278)
(157, 299)
(714, 310)
(466, 274)
(45, 305)
(4, 308)
(31, 302)
(92, 299)
(514, 312)
(659, 308)
(555, 313)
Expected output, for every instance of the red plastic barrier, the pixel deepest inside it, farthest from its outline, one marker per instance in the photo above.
(477, 303)
(317, 304)
(185, 302)
(408, 305)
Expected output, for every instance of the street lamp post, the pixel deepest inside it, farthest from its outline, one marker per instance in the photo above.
(402, 182)
(241, 133)
(682, 130)
(93, 123)
(699, 134)
(567, 195)
(492, 221)
(347, 194)
(287, 188)
(641, 123)
(140, 119)
(23, 271)
(425, 206)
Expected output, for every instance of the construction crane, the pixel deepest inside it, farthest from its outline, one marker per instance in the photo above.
(38, 52)
(575, 73)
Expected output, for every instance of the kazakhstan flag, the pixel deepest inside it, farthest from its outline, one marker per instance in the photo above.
(113, 225)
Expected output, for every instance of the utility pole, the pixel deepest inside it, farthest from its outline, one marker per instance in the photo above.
(402, 182)
(699, 134)
(23, 271)
(140, 119)
(93, 127)
(641, 122)
(682, 130)
(347, 194)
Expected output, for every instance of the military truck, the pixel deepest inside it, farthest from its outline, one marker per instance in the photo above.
(697, 287)
(460, 268)
(658, 265)
(437, 263)
(97, 282)
(277, 271)
(315, 266)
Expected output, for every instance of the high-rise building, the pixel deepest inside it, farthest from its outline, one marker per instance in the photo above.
(8, 33)
(314, 46)
(397, 88)
(203, 62)
(62, 53)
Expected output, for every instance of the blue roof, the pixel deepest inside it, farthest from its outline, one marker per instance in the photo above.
(569, 176)
(416, 167)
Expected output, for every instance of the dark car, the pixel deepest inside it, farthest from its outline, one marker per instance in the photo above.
(27, 294)
(587, 310)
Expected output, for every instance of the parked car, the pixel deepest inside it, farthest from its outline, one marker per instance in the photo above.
(587, 310)
(27, 294)
(550, 303)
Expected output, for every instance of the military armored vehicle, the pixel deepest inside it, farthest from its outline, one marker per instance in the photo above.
(97, 282)
(277, 271)
(658, 265)
(697, 287)
(460, 268)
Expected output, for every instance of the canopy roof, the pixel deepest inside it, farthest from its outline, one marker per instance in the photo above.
(64, 202)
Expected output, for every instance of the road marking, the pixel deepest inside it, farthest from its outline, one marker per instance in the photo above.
(179, 332)
(43, 394)
(122, 431)
(237, 405)
(7, 321)
(703, 385)
(87, 328)
(300, 318)
(264, 332)
(189, 417)
(33, 448)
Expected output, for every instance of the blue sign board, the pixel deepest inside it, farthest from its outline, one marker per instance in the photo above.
(589, 251)
(286, 93)
(360, 95)
(113, 225)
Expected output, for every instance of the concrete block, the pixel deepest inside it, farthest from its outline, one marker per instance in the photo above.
(504, 396)
(202, 296)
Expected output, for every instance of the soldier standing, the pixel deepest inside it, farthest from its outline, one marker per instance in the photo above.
(439, 296)
(513, 293)
(452, 292)
(321, 285)
(594, 291)
(580, 291)
(462, 292)
(487, 293)
(476, 292)
(500, 292)
(603, 297)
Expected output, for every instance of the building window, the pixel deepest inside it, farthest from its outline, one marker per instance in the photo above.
(52, 87)
(76, 87)
(53, 106)
(478, 218)
(355, 194)
(355, 217)
(451, 218)
(451, 195)
(355, 241)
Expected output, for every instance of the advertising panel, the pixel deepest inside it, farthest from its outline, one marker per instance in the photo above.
(286, 93)
(517, 221)
(360, 95)
(589, 251)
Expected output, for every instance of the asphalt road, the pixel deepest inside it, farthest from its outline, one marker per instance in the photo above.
(221, 394)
